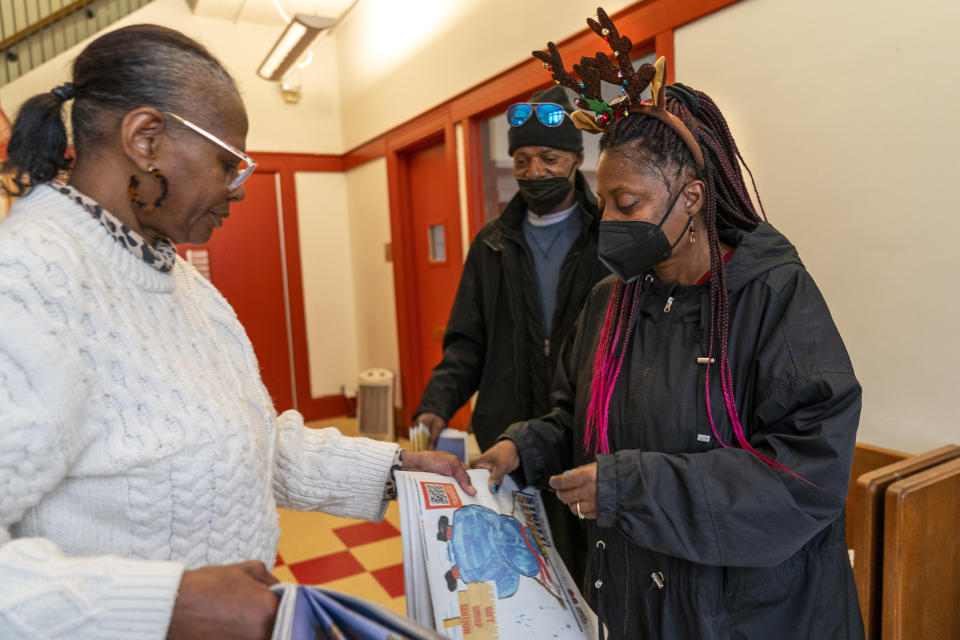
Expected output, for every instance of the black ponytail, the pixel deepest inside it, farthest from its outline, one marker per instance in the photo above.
(38, 144)
(139, 65)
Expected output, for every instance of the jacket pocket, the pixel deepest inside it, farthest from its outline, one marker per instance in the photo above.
(673, 609)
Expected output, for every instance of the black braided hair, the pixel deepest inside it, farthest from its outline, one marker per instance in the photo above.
(650, 143)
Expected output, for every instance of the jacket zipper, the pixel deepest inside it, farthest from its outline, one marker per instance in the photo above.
(600, 547)
(628, 601)
(528, 256)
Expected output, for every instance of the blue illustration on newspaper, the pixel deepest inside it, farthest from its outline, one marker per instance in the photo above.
(485, 567)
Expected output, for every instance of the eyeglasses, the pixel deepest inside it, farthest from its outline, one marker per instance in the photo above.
(548, 113)
(243, 170)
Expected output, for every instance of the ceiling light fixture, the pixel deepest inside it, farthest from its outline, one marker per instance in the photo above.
(295, 39)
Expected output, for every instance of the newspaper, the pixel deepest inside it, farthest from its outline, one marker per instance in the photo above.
(315, 613)
(485, 567)
(450, 440)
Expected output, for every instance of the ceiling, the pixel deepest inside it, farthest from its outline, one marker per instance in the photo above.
(265, 11)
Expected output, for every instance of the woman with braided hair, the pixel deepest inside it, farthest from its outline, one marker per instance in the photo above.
(707, 410)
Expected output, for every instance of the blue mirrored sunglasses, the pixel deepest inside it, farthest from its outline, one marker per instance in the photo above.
(548, 113)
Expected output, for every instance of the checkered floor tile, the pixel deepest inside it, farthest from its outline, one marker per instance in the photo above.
(353, 556)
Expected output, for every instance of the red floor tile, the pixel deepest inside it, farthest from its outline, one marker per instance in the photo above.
(391, 579)
(357, 534)
(326, 568)
(278, 562)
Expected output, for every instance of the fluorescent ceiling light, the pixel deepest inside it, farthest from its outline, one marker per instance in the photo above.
(295, 39)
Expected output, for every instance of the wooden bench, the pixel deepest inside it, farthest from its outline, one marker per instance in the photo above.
(866, 457)
(875, 469)
(921, 555)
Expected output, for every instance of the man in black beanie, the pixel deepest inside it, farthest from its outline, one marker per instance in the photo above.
(525, 279)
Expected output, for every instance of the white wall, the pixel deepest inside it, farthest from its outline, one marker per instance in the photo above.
(398, 59)
(376, 309)
(313, 126)
(328, 275)
(846, 112)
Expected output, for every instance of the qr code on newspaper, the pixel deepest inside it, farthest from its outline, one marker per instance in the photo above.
(440, 495)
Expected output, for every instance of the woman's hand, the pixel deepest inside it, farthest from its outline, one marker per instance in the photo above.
(501, 459)
(577, 488)
(440, 462)
(231, 602)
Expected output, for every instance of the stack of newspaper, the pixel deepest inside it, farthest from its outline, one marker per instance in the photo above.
(315, 613)
(485, 566)
(453, 441)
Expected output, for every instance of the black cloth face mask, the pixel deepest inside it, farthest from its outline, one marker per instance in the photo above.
(631, 248)
(543, 195)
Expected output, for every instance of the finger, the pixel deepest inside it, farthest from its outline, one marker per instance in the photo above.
(588, 508)
(565, 480)
(253, 568)
(583, 509)
(482, 463)
(464, 479)
(496, 477)
(269, 579)
(435, 430)
(569, 496)
(258, 571)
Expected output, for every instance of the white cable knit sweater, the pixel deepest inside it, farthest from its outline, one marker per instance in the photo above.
(136, 438)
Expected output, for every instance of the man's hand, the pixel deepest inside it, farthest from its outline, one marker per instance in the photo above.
(230, 602)
(501, 459)
(440, 462)
(435, 424)
(577, 488)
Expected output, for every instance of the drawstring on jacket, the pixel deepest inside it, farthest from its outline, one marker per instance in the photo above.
(598, 585)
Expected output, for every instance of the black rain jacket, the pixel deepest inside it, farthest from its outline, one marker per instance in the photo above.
(694, 540)
(495, 342)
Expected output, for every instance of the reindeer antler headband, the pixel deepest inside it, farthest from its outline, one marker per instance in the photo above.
(632, 84)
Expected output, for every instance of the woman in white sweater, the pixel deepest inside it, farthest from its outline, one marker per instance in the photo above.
(141, 458)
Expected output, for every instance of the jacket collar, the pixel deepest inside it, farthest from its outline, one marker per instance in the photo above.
(755, 253)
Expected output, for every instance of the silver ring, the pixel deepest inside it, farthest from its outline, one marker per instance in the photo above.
(579, 513)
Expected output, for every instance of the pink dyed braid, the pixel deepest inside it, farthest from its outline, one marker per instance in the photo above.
(608, 360)
(720, 315)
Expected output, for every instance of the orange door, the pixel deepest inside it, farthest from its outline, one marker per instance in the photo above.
(246, 264)
(437, 257)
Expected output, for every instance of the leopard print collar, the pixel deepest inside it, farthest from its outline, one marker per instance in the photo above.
(161, 256)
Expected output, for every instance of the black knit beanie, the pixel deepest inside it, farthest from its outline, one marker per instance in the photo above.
(534, 133)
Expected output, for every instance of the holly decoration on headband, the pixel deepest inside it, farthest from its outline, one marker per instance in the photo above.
(599, 106)
(600, 68)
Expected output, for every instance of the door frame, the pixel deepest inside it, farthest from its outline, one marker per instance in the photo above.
(285, 166)
(420, 134)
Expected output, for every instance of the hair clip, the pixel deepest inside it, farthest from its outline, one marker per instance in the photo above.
(600, 68)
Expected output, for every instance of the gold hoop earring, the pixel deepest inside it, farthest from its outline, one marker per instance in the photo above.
(135, 198)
